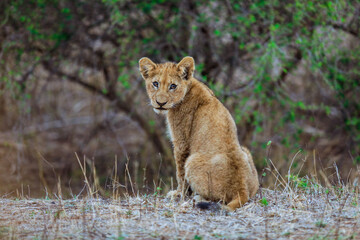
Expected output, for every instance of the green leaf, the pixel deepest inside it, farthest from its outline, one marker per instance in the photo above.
(258, 129)
(65, 10)
(273, 27)
(264, 201)
(301, 105)
(258, 88)
(124, 79)
(151, 123)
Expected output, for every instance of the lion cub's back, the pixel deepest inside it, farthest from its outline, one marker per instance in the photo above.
(214, 129)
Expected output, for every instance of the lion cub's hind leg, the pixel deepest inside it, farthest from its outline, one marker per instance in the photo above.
(173, 194)
(238, 202)
(207, 175)
(213, 178)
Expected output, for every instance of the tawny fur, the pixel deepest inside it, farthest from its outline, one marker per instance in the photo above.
(207, 152)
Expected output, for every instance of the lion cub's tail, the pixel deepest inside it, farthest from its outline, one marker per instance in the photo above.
(213, 206)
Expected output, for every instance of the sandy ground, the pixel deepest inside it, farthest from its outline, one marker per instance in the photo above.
(284, 215)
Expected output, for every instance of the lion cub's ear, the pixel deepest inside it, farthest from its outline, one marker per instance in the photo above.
(145, 66)
(186, 67)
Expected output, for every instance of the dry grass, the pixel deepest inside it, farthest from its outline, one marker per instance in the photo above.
(296, 213)
(296, 208)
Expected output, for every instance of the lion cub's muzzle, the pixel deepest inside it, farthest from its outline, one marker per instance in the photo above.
(161, 105)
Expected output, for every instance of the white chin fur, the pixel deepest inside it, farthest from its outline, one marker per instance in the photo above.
(160, 111)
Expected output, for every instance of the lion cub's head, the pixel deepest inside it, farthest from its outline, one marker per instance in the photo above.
(167, 83)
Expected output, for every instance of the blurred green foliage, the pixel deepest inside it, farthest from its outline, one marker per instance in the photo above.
(269, 30)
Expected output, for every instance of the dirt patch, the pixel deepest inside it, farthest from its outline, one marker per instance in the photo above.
(272, 214)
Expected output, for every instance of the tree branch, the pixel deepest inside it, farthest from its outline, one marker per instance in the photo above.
(345, 29)
(152, 134)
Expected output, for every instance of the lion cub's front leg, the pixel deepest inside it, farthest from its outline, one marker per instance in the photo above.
(180, 158)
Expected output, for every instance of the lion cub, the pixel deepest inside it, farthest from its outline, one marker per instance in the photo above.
(207, 152)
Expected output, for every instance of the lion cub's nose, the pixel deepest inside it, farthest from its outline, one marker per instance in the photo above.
(161, 104)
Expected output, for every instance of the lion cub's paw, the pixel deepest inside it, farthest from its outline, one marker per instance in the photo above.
(228, 209)
(173, 194)
(199, 198)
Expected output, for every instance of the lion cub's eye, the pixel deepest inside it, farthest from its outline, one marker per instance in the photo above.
(156, 84)
(173, 86)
